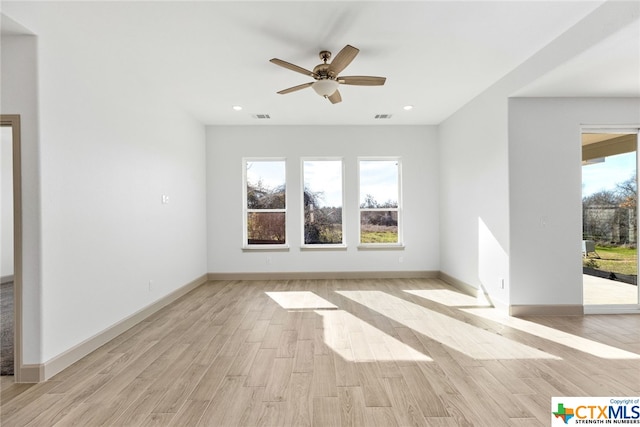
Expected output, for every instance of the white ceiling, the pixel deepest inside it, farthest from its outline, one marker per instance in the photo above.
(610, 68)
(207, 56)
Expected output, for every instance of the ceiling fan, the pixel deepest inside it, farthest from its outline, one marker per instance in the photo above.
(327, 77)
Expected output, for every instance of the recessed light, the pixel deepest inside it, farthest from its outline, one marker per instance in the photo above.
(237, 107)
(408, 107)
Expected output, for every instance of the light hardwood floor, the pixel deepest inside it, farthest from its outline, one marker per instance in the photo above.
(335, 353)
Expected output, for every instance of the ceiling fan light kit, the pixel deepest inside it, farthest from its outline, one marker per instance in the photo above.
(326, 75)
(325, 87)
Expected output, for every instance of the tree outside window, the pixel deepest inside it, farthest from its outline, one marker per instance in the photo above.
(322, 200)
(265, 202)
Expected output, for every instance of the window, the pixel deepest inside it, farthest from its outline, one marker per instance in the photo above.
(265, 202)
(322, 202)
(379, 201)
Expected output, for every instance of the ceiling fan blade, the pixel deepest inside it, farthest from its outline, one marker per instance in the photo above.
(293, 67)
(295, 88)
(342, 59)
(335, 98)
(362, 80)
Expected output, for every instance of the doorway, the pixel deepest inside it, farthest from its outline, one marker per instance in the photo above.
(610, 221)
(11, 246)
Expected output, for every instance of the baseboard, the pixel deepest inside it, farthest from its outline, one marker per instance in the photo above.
(6, 279)
(458, 284)
(29, 373)
(481, 294)
(546, 310)
(69, 357)
(612, 309)
(515, 310)
(322, 275)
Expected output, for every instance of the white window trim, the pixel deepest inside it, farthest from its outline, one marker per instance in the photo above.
(246, 247)
(326, 246)
(374, 246)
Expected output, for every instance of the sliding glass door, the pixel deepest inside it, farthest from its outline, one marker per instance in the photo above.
(610, 220)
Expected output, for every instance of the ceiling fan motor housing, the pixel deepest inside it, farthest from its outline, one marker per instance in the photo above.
(323, 70)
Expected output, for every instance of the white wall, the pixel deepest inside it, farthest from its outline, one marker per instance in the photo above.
(226, 146)
(108, 156)
(20, 96)
(108, 150)
(546, 192)
(6, 184)
(474, 197)
(474, 147)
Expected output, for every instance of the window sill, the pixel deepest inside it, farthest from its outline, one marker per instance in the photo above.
(265, 248)
(341, 247)
(381, 246)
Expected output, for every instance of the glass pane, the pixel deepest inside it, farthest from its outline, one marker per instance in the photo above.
(266, 228)
(266, 184)
(379, 227)
(378, 183)
(609, 227)
(322, 201)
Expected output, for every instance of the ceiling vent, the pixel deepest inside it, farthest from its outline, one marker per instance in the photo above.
(382, 116)
(261, 116)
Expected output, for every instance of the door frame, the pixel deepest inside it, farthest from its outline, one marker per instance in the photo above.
(13, 121)
(619, 308)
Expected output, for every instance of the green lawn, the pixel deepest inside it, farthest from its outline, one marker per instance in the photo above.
(616, 259)
(378, 237)
(370, 233)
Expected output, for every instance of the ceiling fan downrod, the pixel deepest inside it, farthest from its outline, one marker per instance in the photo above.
(325, 55)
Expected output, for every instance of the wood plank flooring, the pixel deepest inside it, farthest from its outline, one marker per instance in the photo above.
(335, 353)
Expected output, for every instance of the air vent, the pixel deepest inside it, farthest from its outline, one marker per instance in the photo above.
(261, 116)
(382, 116)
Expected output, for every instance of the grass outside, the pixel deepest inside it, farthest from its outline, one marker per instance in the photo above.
(378, 234)
(619, 260)
(379, 237)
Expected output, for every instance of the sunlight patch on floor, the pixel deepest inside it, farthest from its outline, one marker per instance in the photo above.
(300, 300)
(470, 340)
(451, 298)
(349, 336)
(578, 343)
(357, 341)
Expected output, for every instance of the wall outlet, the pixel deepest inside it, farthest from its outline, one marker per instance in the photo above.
(150, 285)
(268, 260)
(501, 282)
(401, 260)
(165, 199)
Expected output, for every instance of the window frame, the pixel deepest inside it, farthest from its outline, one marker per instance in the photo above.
(246, 246)
(322, 246)
(400, 243)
